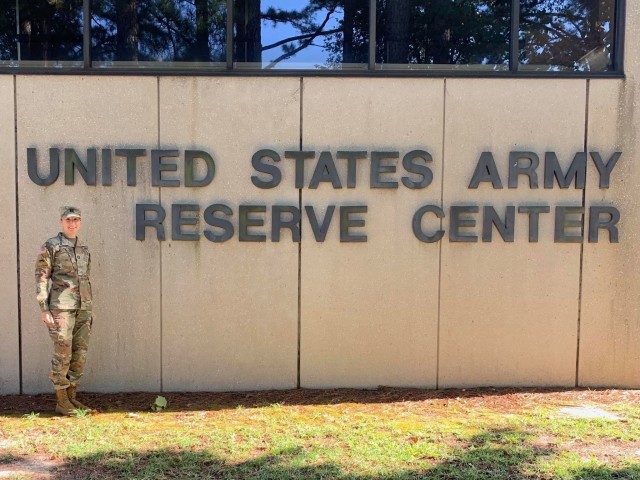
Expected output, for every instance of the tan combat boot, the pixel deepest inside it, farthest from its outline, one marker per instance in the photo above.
(64, 406)
(71, 392)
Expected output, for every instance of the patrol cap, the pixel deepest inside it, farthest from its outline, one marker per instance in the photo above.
(68, 211)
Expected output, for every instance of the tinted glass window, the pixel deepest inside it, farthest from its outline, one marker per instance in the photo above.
(158, 31)
(317, 34)
(553, 35)
(8, 32)
(567, 34)
(41, 31)
(443, 32)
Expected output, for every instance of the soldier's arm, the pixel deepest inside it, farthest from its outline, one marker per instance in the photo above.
(43, 274)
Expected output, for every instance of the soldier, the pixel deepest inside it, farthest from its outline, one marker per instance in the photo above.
(66, 306)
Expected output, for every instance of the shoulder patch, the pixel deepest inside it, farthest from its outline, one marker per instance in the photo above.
(43, 249)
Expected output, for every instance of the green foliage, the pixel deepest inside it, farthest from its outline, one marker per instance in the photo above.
(159, 404)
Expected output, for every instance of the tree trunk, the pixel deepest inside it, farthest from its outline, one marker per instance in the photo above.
(397, 30)
(249, 31)
(34, 30)
(202, 31)
(127, 30)
(348, 55)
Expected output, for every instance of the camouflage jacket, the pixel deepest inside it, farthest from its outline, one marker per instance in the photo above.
(66, 263)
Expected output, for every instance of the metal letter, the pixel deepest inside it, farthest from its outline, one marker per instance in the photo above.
(106, 167)
(320, 231)
(352, 158)
(505, 229)
(142, 221)
(534, 212)
(457, 222)
(577, 170)
(605, 170)
(409, 164)
(245, 222)
(211, 219)
(299, 157)
(515, 169)
(273, 170)
(189, 162)
(596, 223)
(563, 222)
(131, 155)
(277, 223)
(87, 172)
(416, 224)
(378, 168)
(54, 167)
(178, 220)
(157, 167)
(325, 171)
(346, 222)
(486, 171)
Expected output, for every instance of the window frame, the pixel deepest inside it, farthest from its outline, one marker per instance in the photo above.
(513, 71)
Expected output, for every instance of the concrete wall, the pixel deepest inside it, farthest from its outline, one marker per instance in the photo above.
(83, 112)
(9, 340)
(199, 315)
(509, 311)
(229, 309)
(610, 326)
(391, 337)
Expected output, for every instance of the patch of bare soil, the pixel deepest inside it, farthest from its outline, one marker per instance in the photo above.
(607, 451)
(33, 467)
(504, 399)
(604, 450)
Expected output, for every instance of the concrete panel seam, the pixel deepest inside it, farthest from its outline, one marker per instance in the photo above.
(15, 146)
(160, 243)
(584, 197)
(299, 326)
(444, 127)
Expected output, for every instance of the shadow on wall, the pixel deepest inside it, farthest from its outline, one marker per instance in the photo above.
(487, 456)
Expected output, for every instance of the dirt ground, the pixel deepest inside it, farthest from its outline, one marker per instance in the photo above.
(505, 399)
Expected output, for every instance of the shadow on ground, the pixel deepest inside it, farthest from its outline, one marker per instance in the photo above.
(12, 405)
(493, 455)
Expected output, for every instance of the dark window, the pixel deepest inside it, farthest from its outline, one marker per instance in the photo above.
(557, 37)
(8, 32)
(158, 31)
(41, 32)
(562, 35)
(431, 33)
(316, 34)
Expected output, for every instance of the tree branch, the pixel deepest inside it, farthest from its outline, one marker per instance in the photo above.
(303, 45)
(300, 37)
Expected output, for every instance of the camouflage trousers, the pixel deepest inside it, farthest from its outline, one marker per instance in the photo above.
(70, 336)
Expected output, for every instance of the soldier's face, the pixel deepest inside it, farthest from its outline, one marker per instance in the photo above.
(70, 226)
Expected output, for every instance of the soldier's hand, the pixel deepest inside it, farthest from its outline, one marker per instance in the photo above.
(47, 318)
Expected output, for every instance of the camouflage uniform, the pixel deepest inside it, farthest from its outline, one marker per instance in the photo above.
(67, 264)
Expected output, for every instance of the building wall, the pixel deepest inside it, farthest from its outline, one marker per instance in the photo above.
(199, 315)
(9, 340)
(610, 326)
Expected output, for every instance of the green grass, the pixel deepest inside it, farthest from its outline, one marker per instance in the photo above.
(428, 439)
